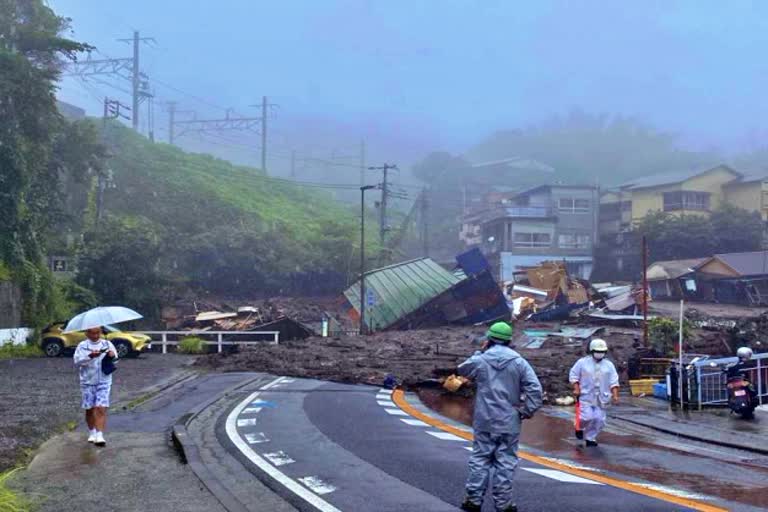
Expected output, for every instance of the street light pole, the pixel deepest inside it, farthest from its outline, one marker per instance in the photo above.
(362, 256)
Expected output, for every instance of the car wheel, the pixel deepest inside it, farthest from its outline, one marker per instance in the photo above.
(53, 347)
(123, 348)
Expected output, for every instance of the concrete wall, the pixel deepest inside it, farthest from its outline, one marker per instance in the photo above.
(10, 305)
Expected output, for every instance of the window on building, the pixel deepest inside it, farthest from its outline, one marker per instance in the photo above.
(533, 240)
(571, 205)
(686, 200)
(574, 241)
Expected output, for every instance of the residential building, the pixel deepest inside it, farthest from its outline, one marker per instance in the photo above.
(544, 223)
(697, 192)
(732, 278)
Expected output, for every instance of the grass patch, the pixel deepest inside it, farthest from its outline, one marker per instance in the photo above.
(192, 345)
(10, 351)
(5, 272)
(9, 500)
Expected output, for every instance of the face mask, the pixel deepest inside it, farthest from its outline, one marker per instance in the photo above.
(598, 355)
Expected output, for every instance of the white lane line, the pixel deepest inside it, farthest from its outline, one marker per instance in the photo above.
(414, 423)
(247, 422)
(386, 403)
(288, 381)
(273, 384)
(317, 485)
(269, 469)
(445, 436)
(574, 465)
(279, 458)
(675, 492)
(396, 412)
(561, 477)
(256, 438)
(468, 448)
(251, 410)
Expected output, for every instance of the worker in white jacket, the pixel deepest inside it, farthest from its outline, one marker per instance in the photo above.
(595, 386)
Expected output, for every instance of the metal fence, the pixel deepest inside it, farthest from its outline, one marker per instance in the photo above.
(218, 338)
(707, 382)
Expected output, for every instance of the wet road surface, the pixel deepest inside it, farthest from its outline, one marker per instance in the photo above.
(692, 467)
(333, 447)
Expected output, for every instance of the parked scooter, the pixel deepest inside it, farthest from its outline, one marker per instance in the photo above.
(742, 397)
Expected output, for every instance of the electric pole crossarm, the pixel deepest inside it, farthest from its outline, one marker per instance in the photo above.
(98, 67)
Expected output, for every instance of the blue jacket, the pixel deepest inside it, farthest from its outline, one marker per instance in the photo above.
(507, 389)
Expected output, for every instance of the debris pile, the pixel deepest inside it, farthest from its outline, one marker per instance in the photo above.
(420, 294)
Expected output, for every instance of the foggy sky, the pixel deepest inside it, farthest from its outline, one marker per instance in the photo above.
(415, 76)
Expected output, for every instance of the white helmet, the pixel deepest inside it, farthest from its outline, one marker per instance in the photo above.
(598, 345)
(744, 353)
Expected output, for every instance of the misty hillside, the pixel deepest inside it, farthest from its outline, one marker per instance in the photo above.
(213, 225)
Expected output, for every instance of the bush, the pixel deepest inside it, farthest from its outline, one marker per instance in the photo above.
(11, 351)
(192, 345)
(10, 501)
(664, 334)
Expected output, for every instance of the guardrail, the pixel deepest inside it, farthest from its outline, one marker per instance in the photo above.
(707, 384)
(222, 338)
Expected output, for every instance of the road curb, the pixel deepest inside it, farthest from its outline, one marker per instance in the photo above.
(190, 452)
(678, 433)
(155, 391)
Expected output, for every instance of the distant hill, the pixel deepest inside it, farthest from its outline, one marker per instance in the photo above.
(220, 227)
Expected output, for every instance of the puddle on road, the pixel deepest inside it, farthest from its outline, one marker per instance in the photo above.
(637, 456)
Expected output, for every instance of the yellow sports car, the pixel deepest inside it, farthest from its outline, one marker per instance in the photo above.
(128, 344)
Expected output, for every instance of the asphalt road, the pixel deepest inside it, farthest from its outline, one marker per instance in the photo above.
(332, 447)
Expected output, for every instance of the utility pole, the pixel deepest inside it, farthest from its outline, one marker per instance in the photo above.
(264, 133)
(425, 221)
(362, 162)
(139, 90)
(171, 120)
(645, 293)
(112, 110)
(384, 197)
(362, 257)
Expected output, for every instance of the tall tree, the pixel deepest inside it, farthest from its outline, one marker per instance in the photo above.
(31, 53)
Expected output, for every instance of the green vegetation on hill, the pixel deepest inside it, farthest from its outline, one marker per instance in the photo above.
(178, 222)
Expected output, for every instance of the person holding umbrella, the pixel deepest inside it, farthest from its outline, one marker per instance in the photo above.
(92, 357)
(95, 359)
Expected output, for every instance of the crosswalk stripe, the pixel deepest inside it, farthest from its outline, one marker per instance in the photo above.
(414, 423)
(445, 436)
(561, 476)
(395, 412)
(386, 403)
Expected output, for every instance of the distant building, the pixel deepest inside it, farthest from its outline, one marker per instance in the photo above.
(547, 222)
(697, 192)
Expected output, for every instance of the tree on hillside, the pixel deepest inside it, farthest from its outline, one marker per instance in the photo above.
(31, 162)
(736, 229)
(589, 148)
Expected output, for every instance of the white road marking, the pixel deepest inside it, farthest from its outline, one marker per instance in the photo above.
(247, 422)
(272, 384)
(445, 436)
(414, 423)
(279, 458)
(396, 412)
(317, 485)
(674, 492)
(561, 477)
(259, 403)
(468, 448)
(388, 392)
(386, 403)
(256, 438)
(264, 465)
(251, 410)
(384, 397)
(571, 464)
(288, 381)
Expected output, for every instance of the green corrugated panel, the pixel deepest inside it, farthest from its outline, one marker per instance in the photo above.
(401, 289)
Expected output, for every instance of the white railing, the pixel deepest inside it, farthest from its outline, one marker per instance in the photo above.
(708, 382)
(222, 338)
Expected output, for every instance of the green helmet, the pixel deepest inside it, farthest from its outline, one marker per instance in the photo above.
(500, 331)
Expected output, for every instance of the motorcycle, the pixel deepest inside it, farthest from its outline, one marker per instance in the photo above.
(742, 398)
